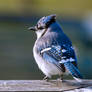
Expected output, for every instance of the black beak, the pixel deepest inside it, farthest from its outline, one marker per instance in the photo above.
(32, 28)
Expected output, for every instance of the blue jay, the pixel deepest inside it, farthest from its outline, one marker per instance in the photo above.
(53, 51)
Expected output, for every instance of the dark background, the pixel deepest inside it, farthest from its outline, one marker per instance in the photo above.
(16, 42)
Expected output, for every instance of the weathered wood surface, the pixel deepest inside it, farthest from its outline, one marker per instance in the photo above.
(42, 85)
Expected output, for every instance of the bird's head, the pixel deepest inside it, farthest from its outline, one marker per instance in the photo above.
(43, 24)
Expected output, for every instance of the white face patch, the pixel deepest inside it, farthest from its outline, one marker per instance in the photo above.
(39, 33)
(46, 49)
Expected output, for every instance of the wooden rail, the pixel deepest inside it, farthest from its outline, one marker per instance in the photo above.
(42, 85)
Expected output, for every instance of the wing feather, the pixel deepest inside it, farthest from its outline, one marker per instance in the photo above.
(61, 56)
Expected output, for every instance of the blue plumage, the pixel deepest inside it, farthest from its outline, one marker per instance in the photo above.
(53, 50)
(55, 56)
(73, 70)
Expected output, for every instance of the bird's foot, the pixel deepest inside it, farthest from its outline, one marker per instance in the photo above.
(46, 78)
(60, 78)
(59, 82)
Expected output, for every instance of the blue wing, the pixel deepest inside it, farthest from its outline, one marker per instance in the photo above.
(59, 55)
(52, 55)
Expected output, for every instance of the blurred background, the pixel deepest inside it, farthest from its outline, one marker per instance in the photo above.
(16, 42)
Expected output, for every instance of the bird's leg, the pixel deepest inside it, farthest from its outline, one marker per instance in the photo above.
(59, 81)
(61, 78)
(46, 78)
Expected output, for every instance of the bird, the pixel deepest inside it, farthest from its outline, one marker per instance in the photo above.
(53, 50)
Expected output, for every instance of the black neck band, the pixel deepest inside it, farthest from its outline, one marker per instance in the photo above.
(49, 23)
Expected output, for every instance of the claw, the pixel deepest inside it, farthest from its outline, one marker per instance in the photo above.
(46, 78)
(61, 78)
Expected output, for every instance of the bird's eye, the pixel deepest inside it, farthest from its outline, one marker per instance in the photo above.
(40, 28)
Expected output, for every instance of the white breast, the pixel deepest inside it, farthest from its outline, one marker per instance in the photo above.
(46, 67)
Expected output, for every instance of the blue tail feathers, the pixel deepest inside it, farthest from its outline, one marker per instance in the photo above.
(73, 70)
